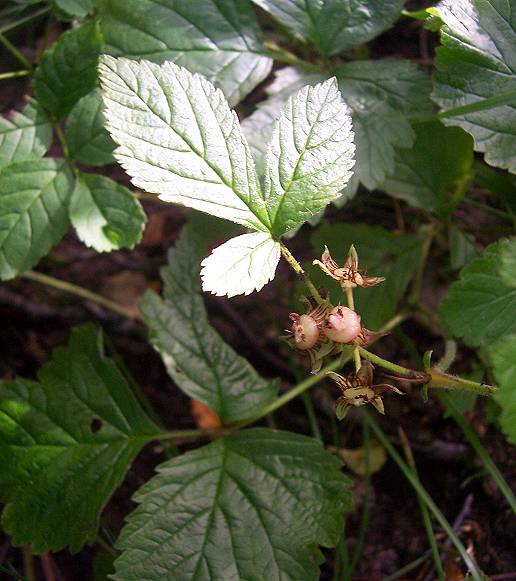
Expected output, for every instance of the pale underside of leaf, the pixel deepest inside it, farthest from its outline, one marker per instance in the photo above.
(178, 138)
(240, 266)
(310, 155)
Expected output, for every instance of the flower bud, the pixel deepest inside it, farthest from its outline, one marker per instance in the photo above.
(342, 325)
(305, 331)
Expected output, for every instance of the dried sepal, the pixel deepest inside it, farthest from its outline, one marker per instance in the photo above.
(357, 389)
(348, 275)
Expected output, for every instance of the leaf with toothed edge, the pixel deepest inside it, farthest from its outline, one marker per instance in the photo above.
(241, 265)
(177, 137)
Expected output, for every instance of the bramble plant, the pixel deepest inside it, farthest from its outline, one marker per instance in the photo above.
(153, 86)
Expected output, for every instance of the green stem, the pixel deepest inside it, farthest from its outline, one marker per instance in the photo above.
(393, 367)
(284, 56)
(427, 523)
(408, 568)
(191, 434)
(364, 518)
(79, 291)
(312, 417)
(481, 452)
(508, 98)
(441, 380)
(14, 74)
(300, 272)
(426, 498)
(15, 52)
(351, 305)
(415, 294)
(24, 20)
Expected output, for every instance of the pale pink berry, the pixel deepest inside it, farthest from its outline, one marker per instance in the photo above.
(305, 331)
(342, 325)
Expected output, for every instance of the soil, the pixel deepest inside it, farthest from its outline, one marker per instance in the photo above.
(36, 319)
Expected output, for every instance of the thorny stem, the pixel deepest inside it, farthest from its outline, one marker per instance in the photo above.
(298, 269)
(79, 291)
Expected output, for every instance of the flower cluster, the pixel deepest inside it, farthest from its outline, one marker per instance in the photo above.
(325, 330)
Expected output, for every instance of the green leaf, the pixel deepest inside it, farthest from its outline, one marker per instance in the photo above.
(24, 135)
(241, 265)
(105, 214)
(87, 139)
(477, 61)
(75, 8)
(503, 356)
(500, 184)
(67, 70)
(309, 157)
(219, 39)
(381, 253)
(334, 25)
(196, 357)
(435, 172)
(462, 248)
(382, 96)
(34, 197)
(178, 138)
(253, 505)
(66, 444)
(479, 306)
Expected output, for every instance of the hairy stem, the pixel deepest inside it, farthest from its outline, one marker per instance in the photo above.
(298, 269)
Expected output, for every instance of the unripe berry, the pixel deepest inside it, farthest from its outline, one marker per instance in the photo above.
(305, 331)
(342, 325)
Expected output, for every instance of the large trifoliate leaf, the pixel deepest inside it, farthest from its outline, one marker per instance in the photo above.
(381, 253)
(219, 39)
(382, 96)
(480, 306)
(477, 61)
(24, 135)
(253, 505)
(178, 138)
(67, 70)
(309, 157)
(435, 172)
(241, 265)
(503, 356)
(334, 25)
(34, 197)
(65, 445)
(87, 139)
(195, 355)
(105, 214)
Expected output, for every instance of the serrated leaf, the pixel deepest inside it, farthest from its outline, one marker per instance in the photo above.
(503, 356)
(241, 265)
(382, 96)
(435, 172)
(67, 70)
(477, 61)
(34, 197)
(66, 443)
(334, 25)
(310, 156)
(87, 139)
(480, 305)
(178, 138)
(196, 357)
(381, 253)
(75, 8)
(24, 135)
(253, 505)
(105, 214)
(219, 39)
